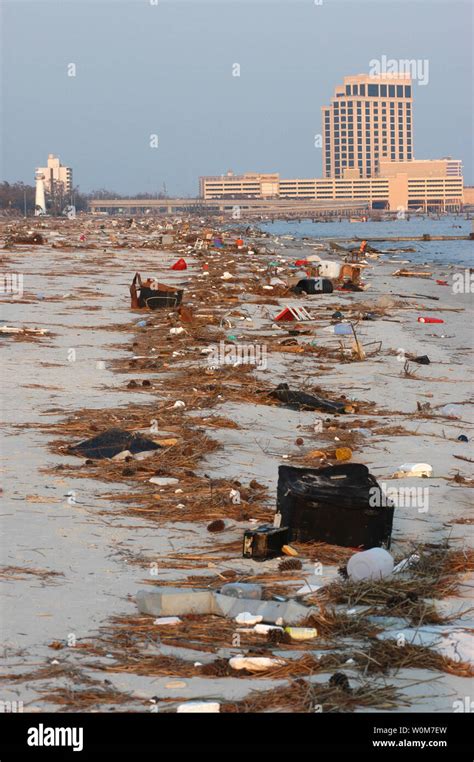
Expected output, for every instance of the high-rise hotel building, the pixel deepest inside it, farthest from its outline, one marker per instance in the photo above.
(369, 119)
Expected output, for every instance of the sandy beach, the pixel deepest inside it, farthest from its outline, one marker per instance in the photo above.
(82, 538)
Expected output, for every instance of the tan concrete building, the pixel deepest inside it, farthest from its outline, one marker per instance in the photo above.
(369, 119)
(421, 168)
(398, 190)
(249, 185)
(469, 195)
(367, 156)
(55, 172)
(396, 193)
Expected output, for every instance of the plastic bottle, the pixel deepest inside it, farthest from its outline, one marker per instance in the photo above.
(242, 590)
(302, 633)
(430, 320)
(375, 563)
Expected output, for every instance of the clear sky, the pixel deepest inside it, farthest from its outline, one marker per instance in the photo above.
(165, 68)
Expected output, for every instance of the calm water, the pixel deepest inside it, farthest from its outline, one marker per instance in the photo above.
(454, 252)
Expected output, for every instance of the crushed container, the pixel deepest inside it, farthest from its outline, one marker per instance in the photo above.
(264, 542)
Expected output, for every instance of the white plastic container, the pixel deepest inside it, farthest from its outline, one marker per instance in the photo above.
(415, 469)
(329, 269)
(375, 563)
(198, 707)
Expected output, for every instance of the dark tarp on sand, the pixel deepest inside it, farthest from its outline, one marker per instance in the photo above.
(303, 401)
(111, 442)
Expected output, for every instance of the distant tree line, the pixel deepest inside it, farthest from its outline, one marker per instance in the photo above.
(20, 198)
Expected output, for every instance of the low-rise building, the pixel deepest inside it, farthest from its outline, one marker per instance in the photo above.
(249, 185)
(404, 185)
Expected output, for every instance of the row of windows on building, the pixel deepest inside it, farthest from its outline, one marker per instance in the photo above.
(370, 105)
(350, 115)
(350, 155)
(349, 106)
(349, 159)
(375, 119)
(360, 165)
(351, 149)
(349, 145)
(350, 134)
(378, 91)
(349, 119)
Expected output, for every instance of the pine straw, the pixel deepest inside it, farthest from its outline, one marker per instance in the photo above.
(204, 499)
(332, 624)
(87, 698)
(464, 480)
(126, 639)
(218, 422)
(322, 552)
(47, 672)
(386, 655)
(23, 572)
(436, 575)
(215, 581)
(304, 696)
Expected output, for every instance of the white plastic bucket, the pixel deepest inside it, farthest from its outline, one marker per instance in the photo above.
(375, 563)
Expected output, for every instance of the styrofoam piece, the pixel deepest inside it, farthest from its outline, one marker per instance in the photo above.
(163, 481)
(166, 620)
(122, 455)
(255, 663)
(176, 601)
(289, 612)
(246, 618)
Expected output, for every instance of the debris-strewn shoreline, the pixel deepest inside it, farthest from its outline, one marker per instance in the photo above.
(203, 381)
